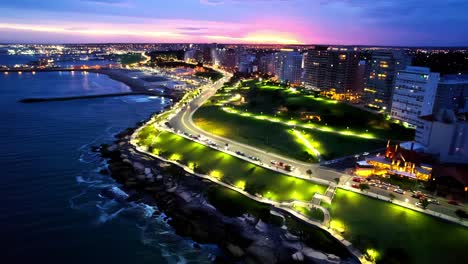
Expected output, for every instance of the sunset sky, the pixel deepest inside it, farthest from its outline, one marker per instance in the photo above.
(373, 22)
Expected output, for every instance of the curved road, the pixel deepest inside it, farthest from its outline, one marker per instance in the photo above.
(183, 122)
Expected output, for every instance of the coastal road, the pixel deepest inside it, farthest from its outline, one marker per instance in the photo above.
(182, 122)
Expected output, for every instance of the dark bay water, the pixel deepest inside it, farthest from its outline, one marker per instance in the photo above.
(52, 210)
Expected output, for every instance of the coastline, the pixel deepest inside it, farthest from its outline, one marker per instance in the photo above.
(141, 173)
(180, 196)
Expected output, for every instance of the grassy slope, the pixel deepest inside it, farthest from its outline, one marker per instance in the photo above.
(371, 223)
(232, 170)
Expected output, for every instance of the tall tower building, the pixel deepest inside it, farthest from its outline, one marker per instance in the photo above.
(331, 69)
(414, 94)
(381, 69)
(315, 68)
(288, 66)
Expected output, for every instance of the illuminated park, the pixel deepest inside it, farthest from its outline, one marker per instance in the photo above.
(265, 116)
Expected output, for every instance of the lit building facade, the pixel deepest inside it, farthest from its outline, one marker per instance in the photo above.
(414, 94)
(332, 69)
(288, 66)
(380, 74)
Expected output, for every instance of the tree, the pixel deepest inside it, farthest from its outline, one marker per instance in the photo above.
(461, 214)
(364, 186)
(309, 172)
(424, 203)
(391, 196)
(337, 180)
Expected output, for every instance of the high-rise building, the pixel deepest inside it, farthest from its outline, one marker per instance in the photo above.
(445, 134)
(334, 69)
(288, 66)
(452, 93)
(266, 63)
(381, 69)
(315, 68)
(246, 60)
(414, 94)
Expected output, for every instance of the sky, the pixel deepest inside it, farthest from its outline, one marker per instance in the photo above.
(339, 22)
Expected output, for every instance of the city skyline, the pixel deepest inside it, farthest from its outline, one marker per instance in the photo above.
(361, 22)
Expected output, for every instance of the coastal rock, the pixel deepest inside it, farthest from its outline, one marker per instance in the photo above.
(298, 256)
(115, 193)
(234, 250)
(112, 148)
(138, 166)
(259, 254)
(261, 226)
(290, 237)
(172, 189)
(316, 256)
(186, 196)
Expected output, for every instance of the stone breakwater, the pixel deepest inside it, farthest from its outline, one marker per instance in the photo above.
(182, 198)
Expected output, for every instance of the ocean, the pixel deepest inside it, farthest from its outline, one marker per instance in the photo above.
(53, 210)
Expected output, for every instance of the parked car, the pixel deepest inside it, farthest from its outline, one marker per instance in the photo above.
(433, 201)
(400, 191)
(453, 202)
(419, 204)
(355, 185)
(357, 179)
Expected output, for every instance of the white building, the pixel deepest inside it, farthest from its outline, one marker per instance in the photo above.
(446, 135)
(414, 94)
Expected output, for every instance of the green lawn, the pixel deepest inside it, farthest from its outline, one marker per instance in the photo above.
(267, 99)
(130, 58)
(252, 178)
(275, 137)
(395, 231)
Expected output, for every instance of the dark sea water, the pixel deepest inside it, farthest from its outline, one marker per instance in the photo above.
(52, 210)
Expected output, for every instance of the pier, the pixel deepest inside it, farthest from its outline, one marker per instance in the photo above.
(80, 97)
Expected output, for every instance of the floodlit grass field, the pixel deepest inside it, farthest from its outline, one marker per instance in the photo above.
(247, 176)
(277, 137)
(388, 228)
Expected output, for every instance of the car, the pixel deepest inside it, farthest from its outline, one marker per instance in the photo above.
(385, 187)
(273, 162)
(419, 204)
(355, 185)
(357, 179)
(433, 201)
(365, 153)
(453, 202)
(400, 191)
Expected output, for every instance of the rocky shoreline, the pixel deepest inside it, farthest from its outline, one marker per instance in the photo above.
(182, 197)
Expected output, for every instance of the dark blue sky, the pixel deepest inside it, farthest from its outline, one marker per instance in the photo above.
(374, 22)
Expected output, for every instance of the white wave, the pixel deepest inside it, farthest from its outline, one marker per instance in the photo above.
(103, 218)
